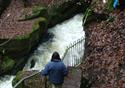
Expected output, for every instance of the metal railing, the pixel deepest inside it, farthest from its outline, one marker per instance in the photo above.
(72, 57)
(25, 78)
(74, 53)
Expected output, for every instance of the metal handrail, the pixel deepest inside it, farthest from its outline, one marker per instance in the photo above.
(74, 61)
(69, 47)
(72, 45)
(25, 78)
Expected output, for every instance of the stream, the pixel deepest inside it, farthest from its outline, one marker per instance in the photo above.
(60, 36)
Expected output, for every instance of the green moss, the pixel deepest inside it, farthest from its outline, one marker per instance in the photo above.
(109, 5)
(39, 23)
(8, 63)
(32, 82)
(17, 79)
(88, 13)
(38, 11)
(26, 36)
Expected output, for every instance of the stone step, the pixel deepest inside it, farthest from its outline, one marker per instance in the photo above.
(73, 80)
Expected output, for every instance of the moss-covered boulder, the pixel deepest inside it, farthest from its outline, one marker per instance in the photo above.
(60, 12)
(7, 64)
(17, 79)
(34, 81)
(19, 47)
(37, 11)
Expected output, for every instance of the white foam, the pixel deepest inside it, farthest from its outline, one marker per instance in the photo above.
(6, 81)
(64, 34)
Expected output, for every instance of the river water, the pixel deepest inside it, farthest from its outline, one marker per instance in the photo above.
(61, 36)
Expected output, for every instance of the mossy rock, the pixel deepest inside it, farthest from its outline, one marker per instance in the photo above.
(26, 36)
(17, 79)
(22, 45)
(64, 11)
(37, 11)
(41, 24)
(32, 82)
(8, 64)
(39, 28)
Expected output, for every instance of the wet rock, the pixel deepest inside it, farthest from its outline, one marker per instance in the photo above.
(6, 65)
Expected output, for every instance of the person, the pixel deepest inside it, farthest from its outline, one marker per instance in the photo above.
(56, 71)
(119, 5)
(116, 4)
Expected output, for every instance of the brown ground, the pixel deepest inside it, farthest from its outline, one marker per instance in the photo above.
(105, 61)
(9, 24)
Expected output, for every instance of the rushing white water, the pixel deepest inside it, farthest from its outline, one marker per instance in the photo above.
(63, 34)
(6, 82)
(104, 1)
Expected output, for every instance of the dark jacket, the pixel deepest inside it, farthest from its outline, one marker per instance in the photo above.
(56, 70)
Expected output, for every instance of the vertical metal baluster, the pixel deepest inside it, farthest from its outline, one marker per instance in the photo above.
(79, 60)
(82, 48)
(73, 48)
(71, 56)
(70, 61)
(67, 56)
(74, 61)
(72, 53)
(77, 46)
(79, 51)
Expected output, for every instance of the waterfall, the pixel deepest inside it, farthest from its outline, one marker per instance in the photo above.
(6, 82)
(61, 36)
